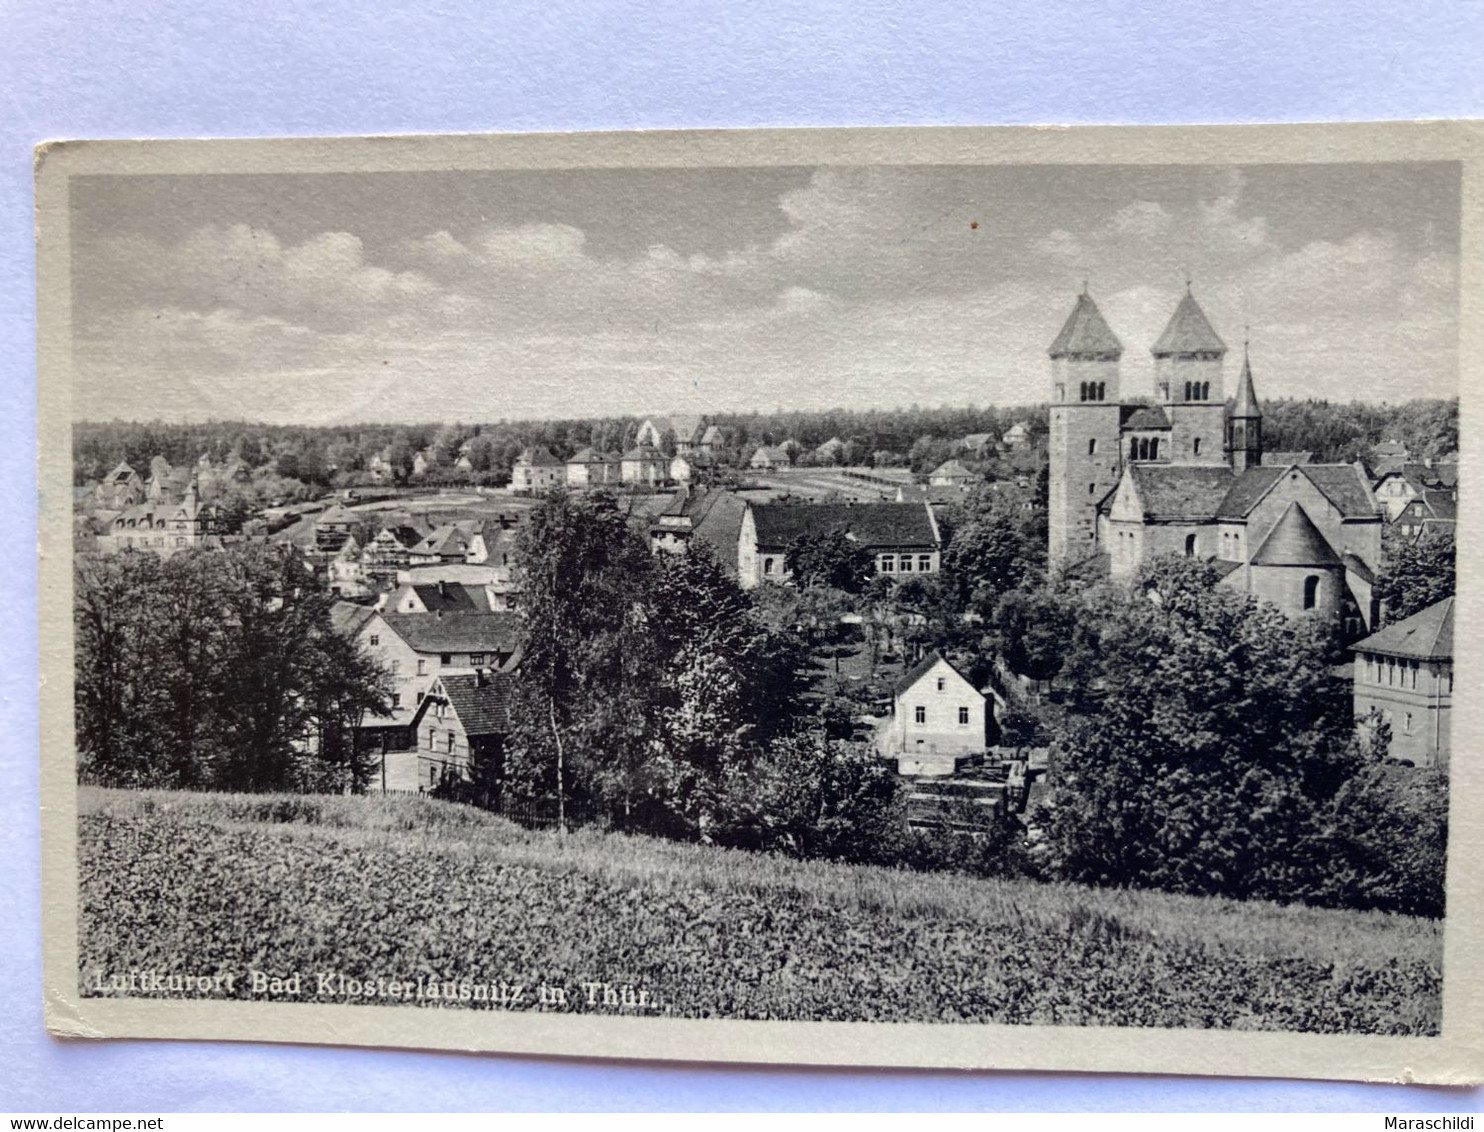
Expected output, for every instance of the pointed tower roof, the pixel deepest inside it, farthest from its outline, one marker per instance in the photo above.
(1086, 334)
(1188, 332)
(1295, 541)
(1246, 405)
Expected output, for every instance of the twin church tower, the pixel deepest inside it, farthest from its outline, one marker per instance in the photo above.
(1095, 436)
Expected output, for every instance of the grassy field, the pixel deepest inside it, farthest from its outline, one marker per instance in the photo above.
(416, 892)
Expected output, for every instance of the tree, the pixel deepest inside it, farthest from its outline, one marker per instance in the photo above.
(1416, 573)
(994, 548)
(829, 558)
(1210, 728)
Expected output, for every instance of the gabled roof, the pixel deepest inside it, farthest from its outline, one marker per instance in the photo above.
(1295, 541)
(871, 524)
(1427, 635)
(449, 539)
(539, 456)
(120, 474)
(1188, 332)
(1086, 334)
(922, 668)
(1441, 503)
(592, 456)
(1145, 416)
(347, 617)
(450, 597)
(1357, 565)
(643, 452)
(1181, 491)
(954, 468)
(457, 632)
(480, 701)
(712, 435)
(685, 426)
(1345, 487)
(336, 515)
(1247, 489)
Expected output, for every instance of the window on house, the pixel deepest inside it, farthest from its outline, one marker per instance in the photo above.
(375, 640)
(476, 658)
(767, 565)
(432, 735)
(1190, 546)
(422, 667)
(1196, 446)
(888, 563)
(963, 717)
(445, 658)
(1092, 447)
(450, 742)
(919, 715)
(433, 775)
(942, 683)
(924, 563)
(906, 564)
(1092, 489)
(1311, 591)
(1407, 724)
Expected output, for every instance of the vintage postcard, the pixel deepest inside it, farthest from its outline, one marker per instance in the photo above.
(890, 597)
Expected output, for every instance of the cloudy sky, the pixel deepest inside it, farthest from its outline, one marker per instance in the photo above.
(474, 296)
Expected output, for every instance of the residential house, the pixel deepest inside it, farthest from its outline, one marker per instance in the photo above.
(692, 467)
(1435, 509)
(939, 720)
(1399, 486)
(768, 458)
(700, 515)
(588, 468)
(347, 571)
(333, 527)
(462, 718)
(1016, 436)
(448, 543)
(164, 528)
(644, 465)
(417, 648)
(951, 473)
(977, 445)
(120, 489)
(684, 429)
(902, 538)
(536, 469)
(437, 597)
(1405, 672)
(712, 439)
(387, 552)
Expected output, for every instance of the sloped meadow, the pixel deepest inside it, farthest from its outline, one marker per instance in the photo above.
(425, 893)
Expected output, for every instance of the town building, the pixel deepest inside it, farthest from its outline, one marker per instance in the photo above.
(951, 473)
(1405, 672)
(939, 720)
(692, 467)
(1186, 476)
(1435, 510)
(644, 465)
(448, 543)
(684, 430)
(536, 469)
(164, 528)
(588, 468)
(902, 538)
(700, 515)
(463, 717)
(767, 458)
(122, 488)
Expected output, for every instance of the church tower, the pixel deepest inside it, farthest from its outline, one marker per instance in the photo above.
(1187, 378)
(1083, 455)
(1244, 429)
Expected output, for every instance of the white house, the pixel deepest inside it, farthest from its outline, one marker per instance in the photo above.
(939, 719)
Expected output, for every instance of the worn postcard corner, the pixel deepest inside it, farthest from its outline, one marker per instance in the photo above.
(914, 597)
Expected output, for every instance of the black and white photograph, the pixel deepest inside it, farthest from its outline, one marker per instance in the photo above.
(918, 597)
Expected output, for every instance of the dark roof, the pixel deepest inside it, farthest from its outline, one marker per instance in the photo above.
(1086, 334)
(540, 456)
(1447, 473)
(1223, 566)
(457, 632)
(449, 597)
(872, 524)
(1427, 635)
(449, 539)
(1441, 503)
(1181, 491)
(1188, 332)
(1247, 488)
(1146, 416)
(481, 701)
(716, 519)
(1295, 541)
(1246, 403)
(952, 468)
(1343, 485)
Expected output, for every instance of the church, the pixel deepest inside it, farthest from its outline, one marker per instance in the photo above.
(1185, 474)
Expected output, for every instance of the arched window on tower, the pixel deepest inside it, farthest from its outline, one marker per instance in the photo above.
(1102, 391)
(1082, 391)
(1092, 447)
(1205, 391)
(1196, 446)
(1311, 591)
(1133, 448)
(1154, 449)
(1187, 391)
